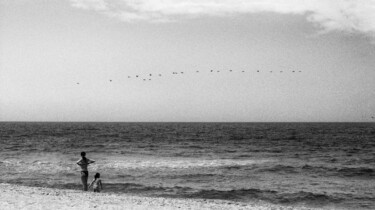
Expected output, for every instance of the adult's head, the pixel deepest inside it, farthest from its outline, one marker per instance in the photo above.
(83, 155)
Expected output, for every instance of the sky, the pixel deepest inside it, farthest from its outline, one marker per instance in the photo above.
(69, 60)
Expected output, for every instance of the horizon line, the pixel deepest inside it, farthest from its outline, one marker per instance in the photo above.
(187, 121)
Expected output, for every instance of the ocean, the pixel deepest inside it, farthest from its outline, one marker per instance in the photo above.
(324, 165)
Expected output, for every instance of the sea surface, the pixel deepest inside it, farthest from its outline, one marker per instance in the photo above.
(324, 165)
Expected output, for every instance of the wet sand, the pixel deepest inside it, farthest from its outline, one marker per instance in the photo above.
(22, 197)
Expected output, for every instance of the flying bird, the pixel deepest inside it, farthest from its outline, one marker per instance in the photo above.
(145, 78)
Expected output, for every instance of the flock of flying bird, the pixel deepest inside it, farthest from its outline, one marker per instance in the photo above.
(149, 77)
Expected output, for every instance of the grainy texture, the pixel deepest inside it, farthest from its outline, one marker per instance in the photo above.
(21, 197)
(317, 165)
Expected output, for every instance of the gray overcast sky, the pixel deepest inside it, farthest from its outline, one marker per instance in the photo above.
(48, 46)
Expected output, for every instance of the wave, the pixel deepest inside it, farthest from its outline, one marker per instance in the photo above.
(54, 163)
(251, 194)
(269, 195)
(48, 164)
(279, 169)
(244, 195)
(178, 163)
(364, 172)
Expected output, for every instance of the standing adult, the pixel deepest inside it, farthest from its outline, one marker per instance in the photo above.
(83, 163)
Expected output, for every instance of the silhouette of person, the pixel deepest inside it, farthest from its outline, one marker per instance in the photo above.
(96, 183)
(83, 163)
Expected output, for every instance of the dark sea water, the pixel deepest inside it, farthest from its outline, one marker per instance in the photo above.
(327, 165)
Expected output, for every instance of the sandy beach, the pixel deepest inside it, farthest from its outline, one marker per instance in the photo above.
(22, 197)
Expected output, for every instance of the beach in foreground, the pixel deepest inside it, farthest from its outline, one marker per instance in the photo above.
(22, 197)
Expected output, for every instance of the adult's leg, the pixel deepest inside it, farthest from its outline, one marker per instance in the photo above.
(84, 177)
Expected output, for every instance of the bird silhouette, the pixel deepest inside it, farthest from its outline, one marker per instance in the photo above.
(148, 76)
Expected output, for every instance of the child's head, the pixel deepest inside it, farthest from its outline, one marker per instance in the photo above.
(97, 175)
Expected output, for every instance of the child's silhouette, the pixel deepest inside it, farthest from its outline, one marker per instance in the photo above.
(96, 183)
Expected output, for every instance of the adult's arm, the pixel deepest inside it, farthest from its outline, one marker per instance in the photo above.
(79, 162)
(101, 185)
(91, 184)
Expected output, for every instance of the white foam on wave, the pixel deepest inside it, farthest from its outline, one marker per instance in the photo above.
(52, 163)
(38, 162)
(41, 166)
(178, 163)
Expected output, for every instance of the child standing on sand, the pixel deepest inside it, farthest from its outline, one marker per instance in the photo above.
(96, 183)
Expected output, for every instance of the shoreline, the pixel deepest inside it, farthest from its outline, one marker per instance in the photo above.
(24, 197)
